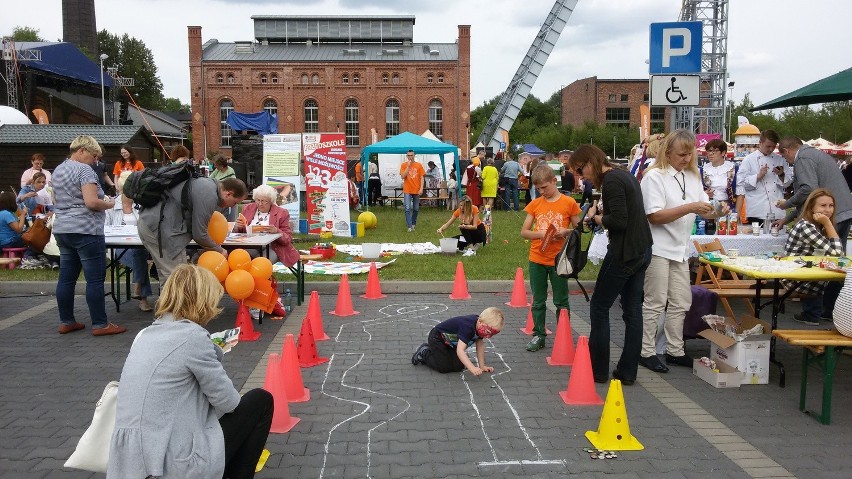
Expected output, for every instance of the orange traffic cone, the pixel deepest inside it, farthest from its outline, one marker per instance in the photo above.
(374, 289)
(247, 332)
(563, 346)
(581, 385)
(528, 329)
(314, 317)
(460, 284)
(281, 419)
(343, 307)
(307, 351)
(291, 374)
(519, 292)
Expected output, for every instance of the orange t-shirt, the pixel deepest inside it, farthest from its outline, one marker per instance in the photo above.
(475, 210)
(120, 166)
(544, 213)
(414, 180)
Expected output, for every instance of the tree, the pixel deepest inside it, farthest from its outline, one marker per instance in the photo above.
(26, 34)
(174, 104)
(134, 60)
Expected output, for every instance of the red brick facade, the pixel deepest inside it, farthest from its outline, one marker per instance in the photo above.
(254, 82)
(588, 100)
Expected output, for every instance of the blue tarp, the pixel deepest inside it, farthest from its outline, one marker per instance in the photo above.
(263, 122)
(64, 59)
(532, 149)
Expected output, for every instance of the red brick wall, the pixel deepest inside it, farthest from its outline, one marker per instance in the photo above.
(413, 94)
(587, 100)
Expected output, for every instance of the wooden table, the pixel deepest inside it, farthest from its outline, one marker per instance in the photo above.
(398, 195)
(798, 276)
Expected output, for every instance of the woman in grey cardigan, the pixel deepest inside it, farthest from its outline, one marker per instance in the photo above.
(178, 413)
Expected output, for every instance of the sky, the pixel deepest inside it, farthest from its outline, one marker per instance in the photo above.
(774, 46)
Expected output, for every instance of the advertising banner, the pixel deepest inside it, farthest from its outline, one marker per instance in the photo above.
(326, 185)
(281, 155)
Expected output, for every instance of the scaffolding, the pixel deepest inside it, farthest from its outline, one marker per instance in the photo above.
(11, 57)
(709, 116)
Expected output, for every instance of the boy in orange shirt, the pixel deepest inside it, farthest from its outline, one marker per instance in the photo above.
(550, 211)
(412, 174)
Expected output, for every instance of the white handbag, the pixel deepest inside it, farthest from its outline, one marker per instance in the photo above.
(92, 453)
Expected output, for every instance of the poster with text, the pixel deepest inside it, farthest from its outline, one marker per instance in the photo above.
(281, 155)
(326, 185)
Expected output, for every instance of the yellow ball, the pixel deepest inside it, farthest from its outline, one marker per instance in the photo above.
(369, 219)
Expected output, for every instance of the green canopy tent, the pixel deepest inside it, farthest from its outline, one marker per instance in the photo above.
(400, 144)
(837, 87)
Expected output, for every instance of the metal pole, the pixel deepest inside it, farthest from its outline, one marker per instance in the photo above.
(103, 57)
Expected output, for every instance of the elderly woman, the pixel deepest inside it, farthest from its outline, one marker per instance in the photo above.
(79, 232)
(272, 219)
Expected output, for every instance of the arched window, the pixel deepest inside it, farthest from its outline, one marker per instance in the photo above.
(304, 79)
(270, 106)
(231, 79)
(273, 77)
(351, 116)
(315, 79)
(430, 77)
(440, 78)
(385, 78)
(391, 118)
(436, 119)
(345, 79)
(311, 116)
(220, 78)
(356, 78)
(225, 106)
(263, 78)
(395, 79)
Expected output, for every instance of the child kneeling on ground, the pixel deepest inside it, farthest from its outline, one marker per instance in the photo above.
(446, 349)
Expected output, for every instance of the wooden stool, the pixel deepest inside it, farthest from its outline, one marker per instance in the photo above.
(16, 254)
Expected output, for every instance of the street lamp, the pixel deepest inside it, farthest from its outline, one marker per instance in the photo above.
(104, 56)
(731, 114)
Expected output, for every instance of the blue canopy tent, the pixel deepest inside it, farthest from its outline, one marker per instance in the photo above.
(262, 122)
(405, 141)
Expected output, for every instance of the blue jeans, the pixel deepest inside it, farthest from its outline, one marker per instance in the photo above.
(137, 260)
(511, 194)
(411, 203)
(87, 253)
(616, 278)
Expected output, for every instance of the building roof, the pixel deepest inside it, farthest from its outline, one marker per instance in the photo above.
(64, 134)
(334, 28)
(162, 124)
(228, 52)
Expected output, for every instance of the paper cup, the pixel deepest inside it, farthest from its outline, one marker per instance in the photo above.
(733, 253)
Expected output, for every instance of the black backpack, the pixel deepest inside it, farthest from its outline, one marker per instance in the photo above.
(147, 187)
(572, 258)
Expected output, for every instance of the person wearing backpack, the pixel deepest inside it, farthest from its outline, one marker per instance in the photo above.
(547, 224)
(181, 216)
(623, 268)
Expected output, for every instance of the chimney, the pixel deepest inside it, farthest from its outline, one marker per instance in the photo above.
(196, 83)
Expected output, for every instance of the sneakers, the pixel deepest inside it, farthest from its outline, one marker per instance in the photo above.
(469, 252)
(420, 355)
(65, 328)
(33, 263)
(110, 329)
(410, 229)
(536, 343)
(800, 317)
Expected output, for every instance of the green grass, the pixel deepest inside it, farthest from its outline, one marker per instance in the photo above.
(495, 261)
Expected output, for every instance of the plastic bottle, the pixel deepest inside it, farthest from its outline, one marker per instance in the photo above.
(288, 301)
(767, 225)
(701, 228)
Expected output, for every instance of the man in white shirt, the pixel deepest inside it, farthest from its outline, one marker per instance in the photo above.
(762, 177)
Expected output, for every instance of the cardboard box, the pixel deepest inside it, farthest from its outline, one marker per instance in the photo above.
(726, 377)
(750, 356)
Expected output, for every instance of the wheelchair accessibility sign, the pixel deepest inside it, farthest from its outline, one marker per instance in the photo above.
(674, 90)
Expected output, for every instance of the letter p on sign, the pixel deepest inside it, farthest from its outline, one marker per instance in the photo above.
(675, 47)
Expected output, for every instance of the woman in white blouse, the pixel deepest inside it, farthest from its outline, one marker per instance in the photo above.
(719, 176)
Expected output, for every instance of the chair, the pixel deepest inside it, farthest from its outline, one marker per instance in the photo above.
(15, 254)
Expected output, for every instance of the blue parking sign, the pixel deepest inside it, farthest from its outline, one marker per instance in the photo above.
(675, 47)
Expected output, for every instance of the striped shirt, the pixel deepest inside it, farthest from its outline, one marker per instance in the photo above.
(72, 215)
(843, 308)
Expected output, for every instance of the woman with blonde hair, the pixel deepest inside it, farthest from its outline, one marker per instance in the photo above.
(673, 194)
(471, 228)
(178, 413)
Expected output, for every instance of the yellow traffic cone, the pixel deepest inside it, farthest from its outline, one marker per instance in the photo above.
(613, 432)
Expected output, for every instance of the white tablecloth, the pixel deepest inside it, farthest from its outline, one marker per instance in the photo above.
(749, 245)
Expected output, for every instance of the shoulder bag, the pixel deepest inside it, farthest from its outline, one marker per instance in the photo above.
(37, 236)
(92, 453)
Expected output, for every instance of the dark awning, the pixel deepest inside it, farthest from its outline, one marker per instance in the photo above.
(837, 87)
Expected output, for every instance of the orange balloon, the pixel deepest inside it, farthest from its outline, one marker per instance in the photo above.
(216, 263)
(239, 259)
(239, 284)
(260, 268)
(217, 227)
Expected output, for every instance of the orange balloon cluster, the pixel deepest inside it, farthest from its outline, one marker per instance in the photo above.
(244, 278)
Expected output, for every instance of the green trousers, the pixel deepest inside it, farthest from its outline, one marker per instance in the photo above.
(539, 276)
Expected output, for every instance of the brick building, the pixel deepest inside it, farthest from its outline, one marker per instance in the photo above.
(611, 102)
(331, 73)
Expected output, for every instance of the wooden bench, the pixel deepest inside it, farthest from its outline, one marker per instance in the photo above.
(298, 271)
(820, 347)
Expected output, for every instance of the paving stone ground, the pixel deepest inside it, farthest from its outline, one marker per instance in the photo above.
(373, 414)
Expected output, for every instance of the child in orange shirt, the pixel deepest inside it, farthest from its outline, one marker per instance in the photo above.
(550, 210)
